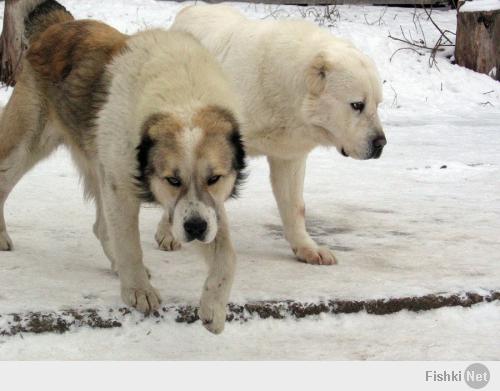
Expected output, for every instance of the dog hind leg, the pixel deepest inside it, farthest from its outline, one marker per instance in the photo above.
(25, 140)
(92, 191)
(101, 233)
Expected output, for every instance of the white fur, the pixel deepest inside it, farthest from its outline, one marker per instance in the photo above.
(189, 207)
(191, 140)
(286, 111)
(160, 72)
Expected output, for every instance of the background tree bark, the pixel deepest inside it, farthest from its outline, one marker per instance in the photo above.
(478, 41)
(12, 41)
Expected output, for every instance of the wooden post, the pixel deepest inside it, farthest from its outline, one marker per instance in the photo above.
(478, 37)
(12, 41)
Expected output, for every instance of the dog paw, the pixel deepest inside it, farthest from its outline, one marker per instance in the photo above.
(166, 241)
(315, 256)
(145, 299)
(5, 242)
(213, 315)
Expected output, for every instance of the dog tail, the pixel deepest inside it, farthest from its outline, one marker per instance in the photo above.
(23, 21)
(43, 16)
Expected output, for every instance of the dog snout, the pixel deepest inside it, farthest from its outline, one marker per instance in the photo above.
(195, 228)
(378, 144)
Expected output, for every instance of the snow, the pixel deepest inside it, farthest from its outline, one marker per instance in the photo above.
(423, 219)
(480, 5)
(444, 334)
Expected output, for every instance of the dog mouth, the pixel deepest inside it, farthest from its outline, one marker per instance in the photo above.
(343, 152)
(377, 153)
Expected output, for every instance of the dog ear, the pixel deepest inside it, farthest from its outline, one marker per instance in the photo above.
(317, 73)
(157, 125)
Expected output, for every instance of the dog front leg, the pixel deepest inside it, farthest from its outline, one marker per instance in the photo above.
(221, 259)
(5, 241)
(164, 237)
(287, 179)
(121, 211)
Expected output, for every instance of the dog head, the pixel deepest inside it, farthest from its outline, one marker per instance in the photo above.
(344, 91)
(191, 168)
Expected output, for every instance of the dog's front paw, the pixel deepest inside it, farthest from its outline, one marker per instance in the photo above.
(315, 255)
(5, 242)
(166, 241)
(212, 314)
(144, 298)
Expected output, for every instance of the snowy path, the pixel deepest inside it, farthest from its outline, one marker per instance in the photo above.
(445, 334)
(424, 219)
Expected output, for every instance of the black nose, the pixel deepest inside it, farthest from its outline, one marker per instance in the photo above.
(195, 228)
(378, 144)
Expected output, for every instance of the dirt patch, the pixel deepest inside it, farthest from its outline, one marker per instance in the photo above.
(62, 321)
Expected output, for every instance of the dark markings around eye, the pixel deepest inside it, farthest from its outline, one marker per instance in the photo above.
(213, 180)
(358, 106)
(174, 181)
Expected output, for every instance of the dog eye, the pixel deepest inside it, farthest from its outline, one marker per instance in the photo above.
(358, 106)
(174, 181)
(213, 180)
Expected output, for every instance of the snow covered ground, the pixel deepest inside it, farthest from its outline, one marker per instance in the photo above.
(424, 219)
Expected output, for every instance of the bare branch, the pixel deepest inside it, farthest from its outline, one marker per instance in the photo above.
(441, 43)
(443, 33)
(400, 49)
(378, 21)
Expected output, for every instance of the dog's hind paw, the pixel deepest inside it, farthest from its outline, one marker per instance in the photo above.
(166, 241)
(315, 256)
(5, 242)
(145, 299)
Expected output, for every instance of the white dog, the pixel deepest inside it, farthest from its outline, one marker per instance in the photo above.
(300, 88)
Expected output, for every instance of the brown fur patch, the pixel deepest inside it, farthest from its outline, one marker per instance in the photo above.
(164, 130)
(221, 144)
(161, 125)
(158, 142)
(63, 46)
(69, 60)
(162, 152)
(217, 124)
(215, 119)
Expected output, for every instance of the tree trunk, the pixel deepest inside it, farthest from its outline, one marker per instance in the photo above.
(12, 41)
(478, 40)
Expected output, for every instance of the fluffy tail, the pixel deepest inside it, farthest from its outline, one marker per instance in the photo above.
(23, 20)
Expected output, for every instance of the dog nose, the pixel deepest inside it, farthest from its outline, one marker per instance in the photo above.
(195, 228)
(378, 144)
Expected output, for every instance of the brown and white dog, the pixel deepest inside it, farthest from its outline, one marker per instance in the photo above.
(147, 117)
